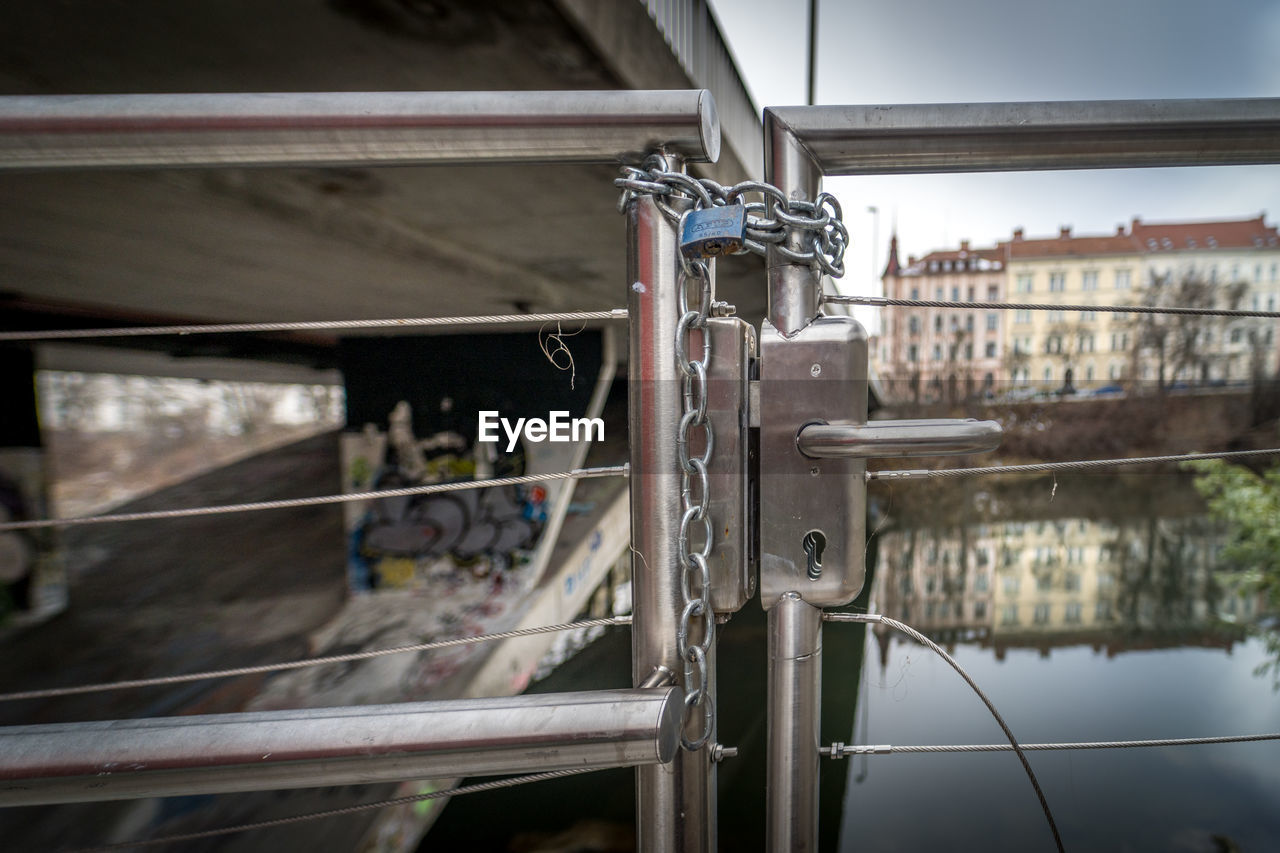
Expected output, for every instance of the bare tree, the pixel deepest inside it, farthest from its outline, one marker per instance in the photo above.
(1185, 346)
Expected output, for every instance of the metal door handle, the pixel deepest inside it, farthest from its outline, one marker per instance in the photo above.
(937, 437)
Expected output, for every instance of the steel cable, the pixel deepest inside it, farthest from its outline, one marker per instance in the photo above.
(320, 500)
(364, 807)
(53, 692)
(954, 664)
(842, 750)
(314, 326)
(883, 301)
(1077, 465)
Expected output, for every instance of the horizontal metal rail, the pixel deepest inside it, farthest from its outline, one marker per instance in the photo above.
(175, 756)
(354, 128)
(1011, 137)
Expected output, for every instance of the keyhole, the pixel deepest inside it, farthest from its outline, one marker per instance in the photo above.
(814, 543)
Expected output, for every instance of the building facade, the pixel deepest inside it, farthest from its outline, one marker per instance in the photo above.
(930, 354)
(948, 354)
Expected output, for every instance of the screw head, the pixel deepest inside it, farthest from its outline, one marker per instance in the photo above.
(815, 370)
(814, 470)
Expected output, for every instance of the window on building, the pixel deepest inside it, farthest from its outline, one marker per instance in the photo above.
(937, 352)
(1235, 336)
(979, 610)
(1275, 272)
(955, 294)
(1057, 282)
(968, 351)
(1048, 374)
(1089, 280)
(1122, 279)
(915, 293)
(993, 292)
(1071, 613)
(991, 349)
(993, 322)
(1022, 317)
(1257, 272)
(937, 323)
(1009, 614)
(913, 325)
(1056, 316)
(940, 294)
(1113, 372)
(973, 294)
(1044, 583)
(913, 353)
(955, 322)
(1041, 616)
(1088, 316)
(1088, 373)
(1010, 584)
(1024, 283)
(968, 323)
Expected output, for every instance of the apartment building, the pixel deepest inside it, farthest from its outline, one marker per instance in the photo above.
(929, 354)
(942, 353)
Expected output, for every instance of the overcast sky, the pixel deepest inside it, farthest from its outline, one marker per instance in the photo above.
(946, 51)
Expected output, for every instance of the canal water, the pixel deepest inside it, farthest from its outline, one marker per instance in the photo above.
(1091, 607)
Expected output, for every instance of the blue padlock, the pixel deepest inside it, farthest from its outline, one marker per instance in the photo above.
(713, 231)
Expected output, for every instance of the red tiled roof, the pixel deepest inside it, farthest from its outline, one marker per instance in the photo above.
(1223, 234)
(1053, 247)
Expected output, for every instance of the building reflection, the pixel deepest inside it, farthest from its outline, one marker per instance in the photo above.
(1143, 583)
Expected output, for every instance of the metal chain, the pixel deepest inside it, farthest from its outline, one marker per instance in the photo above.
(696, 617)
(769, 221)
(695, 631)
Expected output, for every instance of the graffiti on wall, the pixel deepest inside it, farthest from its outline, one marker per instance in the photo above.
(402, 542)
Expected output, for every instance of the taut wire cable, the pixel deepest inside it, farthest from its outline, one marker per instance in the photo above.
(954, 664)
(1044, 467)
(363, 807)
(883, 301)
(54, 692)
(321, 500)
(312, 326)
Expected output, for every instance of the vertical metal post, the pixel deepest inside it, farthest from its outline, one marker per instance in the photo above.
(795, 699)
(675, 802)
(795, 627)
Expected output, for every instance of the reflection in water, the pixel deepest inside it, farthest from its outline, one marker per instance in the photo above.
(1134, 584)
(1096, 608)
